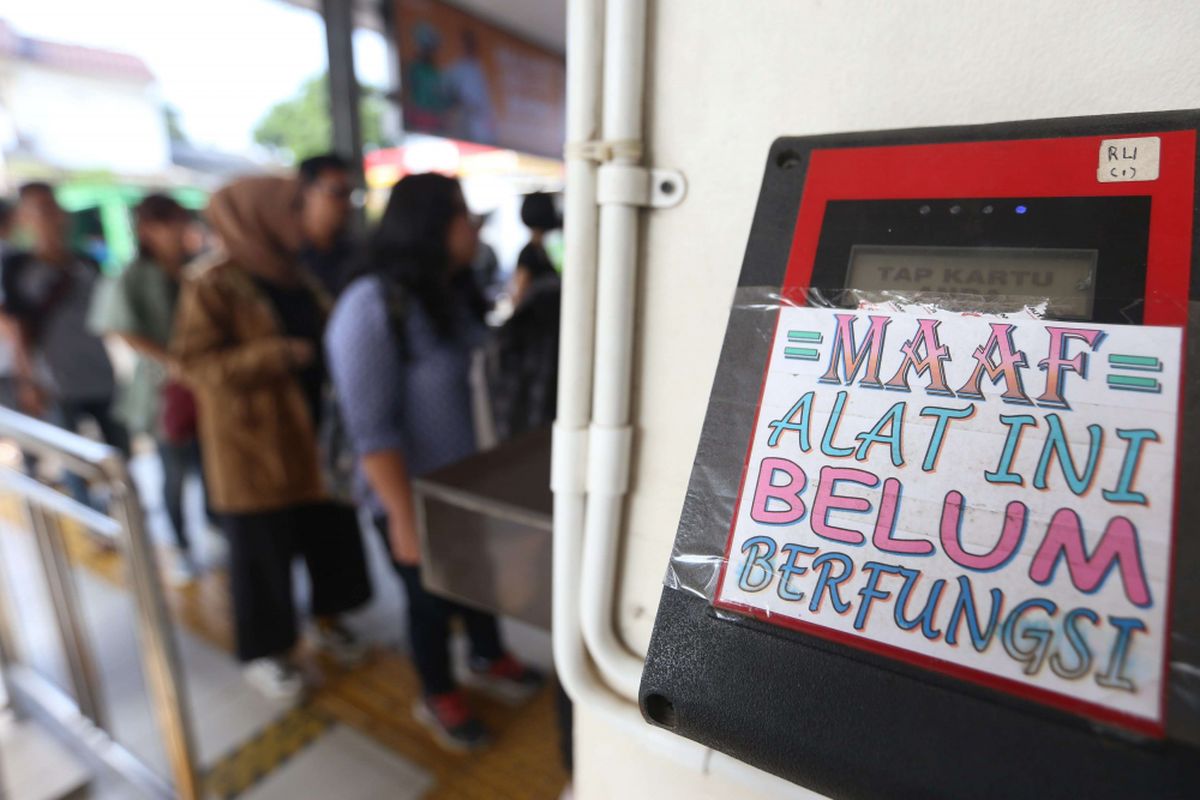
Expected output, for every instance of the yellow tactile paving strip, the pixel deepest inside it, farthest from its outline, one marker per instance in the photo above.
(523, 762)
(265, 752)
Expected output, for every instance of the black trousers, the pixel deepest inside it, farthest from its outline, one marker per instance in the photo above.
(178, 461)
(69, 413)
(429, 619)
(261, 549)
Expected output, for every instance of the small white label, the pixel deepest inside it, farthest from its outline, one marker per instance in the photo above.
(1124, 160)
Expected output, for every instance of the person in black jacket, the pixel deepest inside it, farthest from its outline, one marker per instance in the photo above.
(327, 192)
(47, 294)
(534, 265)
(522, 356)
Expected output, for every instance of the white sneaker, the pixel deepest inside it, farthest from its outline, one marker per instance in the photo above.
(216, 554)
(340, 643)
(275, 678)
(183, 571)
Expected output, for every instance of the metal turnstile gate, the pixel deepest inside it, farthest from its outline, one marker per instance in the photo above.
(73, 701)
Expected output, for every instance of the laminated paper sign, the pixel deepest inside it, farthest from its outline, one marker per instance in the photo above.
(990, 498)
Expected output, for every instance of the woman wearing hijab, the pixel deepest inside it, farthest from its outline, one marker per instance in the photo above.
(399, 345)
(247, 340)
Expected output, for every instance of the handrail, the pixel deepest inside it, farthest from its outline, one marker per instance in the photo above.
(90, 458)
(60, 503)
(160, 657)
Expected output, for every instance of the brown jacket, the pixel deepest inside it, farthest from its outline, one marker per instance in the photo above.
(256, 431)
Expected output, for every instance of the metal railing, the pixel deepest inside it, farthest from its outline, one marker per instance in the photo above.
(84, 717)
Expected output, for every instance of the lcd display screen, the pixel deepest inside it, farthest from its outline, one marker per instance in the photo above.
(958, 278)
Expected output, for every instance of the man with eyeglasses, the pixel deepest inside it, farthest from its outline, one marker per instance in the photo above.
(328, 196)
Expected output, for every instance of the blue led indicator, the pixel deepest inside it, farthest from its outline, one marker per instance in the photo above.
(1021, 209)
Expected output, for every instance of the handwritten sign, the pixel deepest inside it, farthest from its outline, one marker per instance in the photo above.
(992, 498)
(1127, 160)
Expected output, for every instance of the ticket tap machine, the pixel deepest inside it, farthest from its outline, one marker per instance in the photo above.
(939, 537)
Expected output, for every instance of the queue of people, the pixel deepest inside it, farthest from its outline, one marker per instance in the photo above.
(269, 361)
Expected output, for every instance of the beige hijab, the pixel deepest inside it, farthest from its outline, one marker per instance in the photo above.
(258, 220)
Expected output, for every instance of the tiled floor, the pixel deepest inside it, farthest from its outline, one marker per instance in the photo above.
(34, 765)
(225, 710)
(29, 602)
(347, 765)
(372, 749)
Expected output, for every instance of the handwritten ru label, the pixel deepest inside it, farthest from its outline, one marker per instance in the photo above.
(1125, 160)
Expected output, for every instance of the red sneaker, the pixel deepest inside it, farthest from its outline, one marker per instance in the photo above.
(505, 678)
(449, 719)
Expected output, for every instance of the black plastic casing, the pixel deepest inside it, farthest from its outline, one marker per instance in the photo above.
(850, 724)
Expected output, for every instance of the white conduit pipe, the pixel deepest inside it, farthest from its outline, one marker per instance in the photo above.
(569, 455)
(610, 437)
(569, 465)
(569, 473)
